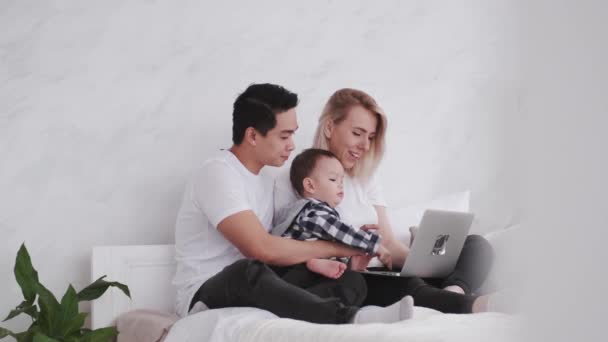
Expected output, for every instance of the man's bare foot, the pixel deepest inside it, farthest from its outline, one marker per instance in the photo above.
(329, 268)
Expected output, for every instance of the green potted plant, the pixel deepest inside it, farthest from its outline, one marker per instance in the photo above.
(53, 320)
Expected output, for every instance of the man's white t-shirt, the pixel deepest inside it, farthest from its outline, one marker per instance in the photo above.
(357, 207)
(221, 187)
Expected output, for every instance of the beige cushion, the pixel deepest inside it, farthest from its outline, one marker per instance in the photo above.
(144, 325)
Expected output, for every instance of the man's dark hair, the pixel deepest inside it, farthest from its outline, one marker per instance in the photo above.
(258, 106)
(303, 165)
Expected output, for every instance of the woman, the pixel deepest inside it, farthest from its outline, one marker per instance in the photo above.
(353, 127)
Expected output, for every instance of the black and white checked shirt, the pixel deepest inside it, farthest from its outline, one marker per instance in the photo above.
(317, 220)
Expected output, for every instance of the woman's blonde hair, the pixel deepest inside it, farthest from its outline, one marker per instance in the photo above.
(336, 109)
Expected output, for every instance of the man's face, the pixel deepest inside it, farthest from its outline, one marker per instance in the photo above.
(274, 148)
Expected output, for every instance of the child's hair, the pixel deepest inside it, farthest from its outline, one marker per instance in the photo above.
(303, 165)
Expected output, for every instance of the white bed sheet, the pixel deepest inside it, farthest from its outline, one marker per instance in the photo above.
(255, 325)
(250, 324)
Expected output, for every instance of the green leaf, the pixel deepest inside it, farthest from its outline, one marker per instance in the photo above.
(73, 326)
(5, 332)
(50, 310)
(100, 335)
(99, 287)
(26, 275)
(69, 303)
(25, 307)
(73, 339)
(68, 310)
(43, 338)
(28, 335)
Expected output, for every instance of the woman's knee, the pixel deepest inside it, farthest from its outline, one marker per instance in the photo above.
(478, 240)
(480, 247)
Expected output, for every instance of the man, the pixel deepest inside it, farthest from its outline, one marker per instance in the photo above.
(225, 255)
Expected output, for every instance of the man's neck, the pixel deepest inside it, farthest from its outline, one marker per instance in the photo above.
(247, 159)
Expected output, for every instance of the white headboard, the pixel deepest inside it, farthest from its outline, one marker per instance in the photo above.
(146, 270)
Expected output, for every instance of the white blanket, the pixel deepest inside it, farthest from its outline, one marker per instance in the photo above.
(253, 325)
(250, 324)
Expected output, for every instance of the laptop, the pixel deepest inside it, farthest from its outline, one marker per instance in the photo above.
(437, 245)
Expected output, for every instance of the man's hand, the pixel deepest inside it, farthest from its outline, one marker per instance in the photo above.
(385, 257)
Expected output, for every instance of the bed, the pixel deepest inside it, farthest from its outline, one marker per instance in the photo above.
(148, 270)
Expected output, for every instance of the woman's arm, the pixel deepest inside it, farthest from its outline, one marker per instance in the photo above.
(399, 251)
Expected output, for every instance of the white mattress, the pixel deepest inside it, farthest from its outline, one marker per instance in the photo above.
(252, 325)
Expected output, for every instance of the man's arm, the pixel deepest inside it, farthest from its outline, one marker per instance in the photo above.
(246, 233)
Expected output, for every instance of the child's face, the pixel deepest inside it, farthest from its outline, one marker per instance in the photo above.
(326, 181)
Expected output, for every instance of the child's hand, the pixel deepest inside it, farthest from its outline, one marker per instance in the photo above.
(372, 228)
(385, 257)
(360, 262)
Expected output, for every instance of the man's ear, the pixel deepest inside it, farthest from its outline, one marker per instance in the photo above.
(328, 129)
(309, 185)
(251, 135)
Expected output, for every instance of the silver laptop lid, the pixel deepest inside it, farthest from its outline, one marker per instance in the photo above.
(437, 244)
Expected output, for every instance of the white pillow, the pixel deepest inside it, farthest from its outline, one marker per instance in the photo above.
(507, 270)
(401, 218)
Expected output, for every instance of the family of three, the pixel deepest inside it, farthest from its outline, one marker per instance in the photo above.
(293, 244)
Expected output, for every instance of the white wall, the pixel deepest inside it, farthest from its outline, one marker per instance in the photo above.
(563, 167)
(106, 106)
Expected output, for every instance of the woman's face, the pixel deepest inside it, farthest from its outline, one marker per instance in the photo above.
(350, 139)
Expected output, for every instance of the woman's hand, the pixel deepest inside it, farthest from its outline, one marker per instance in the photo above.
(360, 262)
(385, 257)
(384, 254)
(399, 250)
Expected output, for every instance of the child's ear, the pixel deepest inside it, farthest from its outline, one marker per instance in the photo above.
(309, 185)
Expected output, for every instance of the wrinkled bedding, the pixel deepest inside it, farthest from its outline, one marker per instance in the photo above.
(253, 325)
